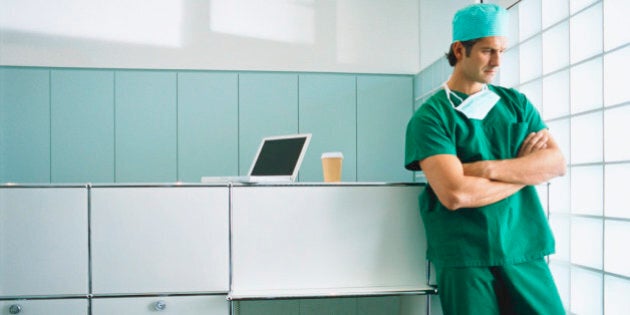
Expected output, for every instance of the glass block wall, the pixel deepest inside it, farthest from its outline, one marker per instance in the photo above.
(572, 59)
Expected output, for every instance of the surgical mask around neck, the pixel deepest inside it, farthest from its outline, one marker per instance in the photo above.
(476, 106)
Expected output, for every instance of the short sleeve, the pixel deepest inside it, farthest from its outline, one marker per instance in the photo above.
(427, 134)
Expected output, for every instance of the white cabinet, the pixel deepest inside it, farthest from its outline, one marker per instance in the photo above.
(326, 240)
(45, 307)
(186, 249)
(43, 242)
(189, 305)
(148, 240)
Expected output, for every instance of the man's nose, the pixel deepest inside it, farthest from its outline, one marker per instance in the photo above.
(495, 59)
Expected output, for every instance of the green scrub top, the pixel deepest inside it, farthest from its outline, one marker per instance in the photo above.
(512, 230)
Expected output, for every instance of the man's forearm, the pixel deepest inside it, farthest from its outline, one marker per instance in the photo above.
(539, 159)
(478, 192)
(532, 169)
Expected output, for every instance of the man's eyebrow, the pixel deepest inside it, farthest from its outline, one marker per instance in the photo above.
(493, 48)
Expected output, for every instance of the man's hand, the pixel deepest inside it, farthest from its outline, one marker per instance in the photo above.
(535, 141)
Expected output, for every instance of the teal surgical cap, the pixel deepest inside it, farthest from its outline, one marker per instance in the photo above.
(480, 20)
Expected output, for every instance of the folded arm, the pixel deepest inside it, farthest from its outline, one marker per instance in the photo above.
(539, 160)
(455, 189)
(462, 185)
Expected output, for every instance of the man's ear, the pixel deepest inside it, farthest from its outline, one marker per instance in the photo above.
(459, 50)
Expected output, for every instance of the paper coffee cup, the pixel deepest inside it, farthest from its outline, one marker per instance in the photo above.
(331, 166)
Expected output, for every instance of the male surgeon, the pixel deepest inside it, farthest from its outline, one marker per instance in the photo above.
(482, 148)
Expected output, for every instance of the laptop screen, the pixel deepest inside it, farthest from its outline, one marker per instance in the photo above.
(279, 156)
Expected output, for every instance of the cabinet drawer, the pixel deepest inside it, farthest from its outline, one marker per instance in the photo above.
(43, 241)
(190, 305)
(160, 240)
(45, 307)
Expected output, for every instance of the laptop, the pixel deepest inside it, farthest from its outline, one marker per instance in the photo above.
(278, 160)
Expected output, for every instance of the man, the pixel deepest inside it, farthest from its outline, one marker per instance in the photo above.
(482, 148)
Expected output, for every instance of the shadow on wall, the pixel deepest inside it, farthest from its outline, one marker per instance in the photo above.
(305, 35)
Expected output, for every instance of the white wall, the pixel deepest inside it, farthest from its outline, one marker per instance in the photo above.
(504, 3)
(281, 35)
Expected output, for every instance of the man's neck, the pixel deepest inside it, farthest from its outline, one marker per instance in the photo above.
(456, 83)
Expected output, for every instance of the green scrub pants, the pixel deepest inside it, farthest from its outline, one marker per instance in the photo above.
(526, 288)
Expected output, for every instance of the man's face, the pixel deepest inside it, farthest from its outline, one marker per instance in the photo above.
(484, 60)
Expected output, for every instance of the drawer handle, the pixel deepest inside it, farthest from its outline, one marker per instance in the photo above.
(15, 309)
(159, 305)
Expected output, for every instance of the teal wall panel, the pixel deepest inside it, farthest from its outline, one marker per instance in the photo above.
(385, 104)
(268, 105)
(328, 111)
(378, 305)
(82, 126)
(146, 126)
(269, 307)
(386, 305)
(208, 125)
(25, 125)
(98, 125)
(345, 306)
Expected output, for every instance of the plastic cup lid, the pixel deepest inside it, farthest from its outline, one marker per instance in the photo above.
(327, 155)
